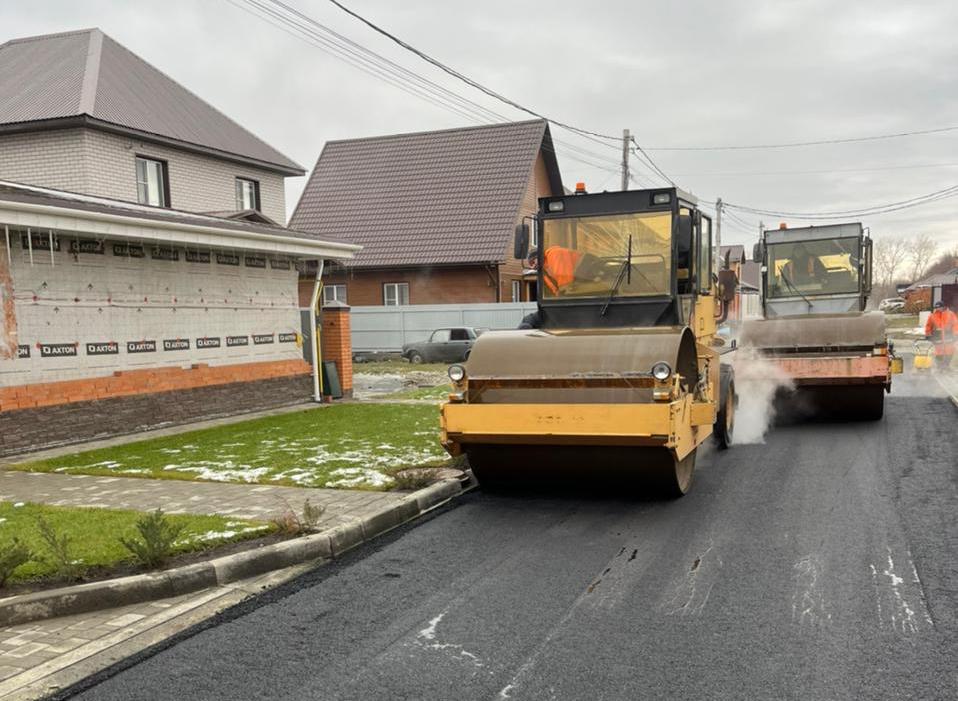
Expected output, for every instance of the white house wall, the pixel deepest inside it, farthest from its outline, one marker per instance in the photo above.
(105, 298)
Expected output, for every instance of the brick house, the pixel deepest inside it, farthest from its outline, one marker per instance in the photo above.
(435, 212)
(139, 245)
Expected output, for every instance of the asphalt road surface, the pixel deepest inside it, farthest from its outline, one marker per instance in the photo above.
(820, 565)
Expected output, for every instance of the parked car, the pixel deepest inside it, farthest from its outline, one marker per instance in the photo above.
(451, 345)
(892, 305)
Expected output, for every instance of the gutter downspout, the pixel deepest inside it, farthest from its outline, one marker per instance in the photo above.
(316, 350)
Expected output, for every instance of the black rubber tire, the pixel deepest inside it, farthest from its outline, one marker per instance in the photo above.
(677, 481)
(724, 429)
(415, 358)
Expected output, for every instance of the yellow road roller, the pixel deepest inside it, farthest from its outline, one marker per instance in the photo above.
(816, 281)
(618, 373)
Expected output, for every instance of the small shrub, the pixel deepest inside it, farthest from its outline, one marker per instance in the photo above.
(61, 549)
(311, 515)
(157, 536)
(12, 555)
(289, 523)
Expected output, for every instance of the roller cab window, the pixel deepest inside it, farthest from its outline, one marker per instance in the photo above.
(807, 268)
(584, 256)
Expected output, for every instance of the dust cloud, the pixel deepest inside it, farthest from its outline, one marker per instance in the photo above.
(757, 380)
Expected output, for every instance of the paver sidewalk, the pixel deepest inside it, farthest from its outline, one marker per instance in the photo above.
(37, 659)
(247, 501)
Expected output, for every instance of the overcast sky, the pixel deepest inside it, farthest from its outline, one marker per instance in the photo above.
(676, 74)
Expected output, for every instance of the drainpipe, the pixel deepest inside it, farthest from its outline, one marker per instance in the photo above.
(317, 351)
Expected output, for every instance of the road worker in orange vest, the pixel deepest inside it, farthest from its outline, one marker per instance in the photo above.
(941, 329)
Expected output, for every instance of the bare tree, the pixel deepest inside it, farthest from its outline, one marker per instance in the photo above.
(945, 263)
(921, 253)
(890, 255)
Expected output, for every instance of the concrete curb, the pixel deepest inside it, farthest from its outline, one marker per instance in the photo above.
(111, 593)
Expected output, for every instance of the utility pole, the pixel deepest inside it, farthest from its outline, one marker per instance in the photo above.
(625, 159)
(718, 234)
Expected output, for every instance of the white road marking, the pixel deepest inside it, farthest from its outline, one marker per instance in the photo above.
(808, 601)
(692, 593)
(427, 636)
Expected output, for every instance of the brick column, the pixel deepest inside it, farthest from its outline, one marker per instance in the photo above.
(337, 342)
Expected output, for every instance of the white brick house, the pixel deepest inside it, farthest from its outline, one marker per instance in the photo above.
(141, 248)
(80, 113)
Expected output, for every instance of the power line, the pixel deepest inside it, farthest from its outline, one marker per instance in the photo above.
(297, 24)
(638, 151)
(469, 81)
(864, 211)
(822, 171)
(800, 144)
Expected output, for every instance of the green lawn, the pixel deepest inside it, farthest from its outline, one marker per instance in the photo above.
(435, 393)
(345, 445)
(398, 367)
(94, 535)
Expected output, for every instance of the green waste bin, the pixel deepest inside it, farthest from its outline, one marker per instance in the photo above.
(331, 386)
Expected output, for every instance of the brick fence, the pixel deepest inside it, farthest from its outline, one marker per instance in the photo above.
(152, 380)
(34, 429)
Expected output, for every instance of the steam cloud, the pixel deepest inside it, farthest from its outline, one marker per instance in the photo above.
(757, 380)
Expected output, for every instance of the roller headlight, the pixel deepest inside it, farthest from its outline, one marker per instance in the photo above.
(661, 371)
(457, 373)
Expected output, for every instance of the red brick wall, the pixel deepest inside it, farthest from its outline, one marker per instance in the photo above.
(426, 285)
(129, 382)
(337, 344)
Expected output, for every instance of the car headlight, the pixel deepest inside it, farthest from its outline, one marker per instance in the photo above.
(661, 371)
(457, 373)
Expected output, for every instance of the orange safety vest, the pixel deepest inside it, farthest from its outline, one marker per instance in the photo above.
(942, 320)
(558, 269)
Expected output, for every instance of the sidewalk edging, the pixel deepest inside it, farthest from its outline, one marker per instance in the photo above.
(328, 544)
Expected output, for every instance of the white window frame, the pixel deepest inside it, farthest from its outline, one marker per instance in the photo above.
(517, 290)
(148, 191)
(395, 294)
(247, 187)
(334, 293)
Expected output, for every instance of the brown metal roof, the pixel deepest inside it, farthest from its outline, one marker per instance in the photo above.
(87, 75)
(429, 198)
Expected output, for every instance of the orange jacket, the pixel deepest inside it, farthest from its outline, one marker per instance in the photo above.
(558, 269)
(942, 323)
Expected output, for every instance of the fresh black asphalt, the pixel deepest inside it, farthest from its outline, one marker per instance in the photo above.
(819, 565)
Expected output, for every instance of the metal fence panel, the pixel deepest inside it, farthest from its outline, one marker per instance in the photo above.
(387, 329)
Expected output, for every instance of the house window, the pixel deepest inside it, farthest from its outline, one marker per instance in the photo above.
(334, 293)
(247, 194)
(152, 182)
(395, 294)
(516, 290)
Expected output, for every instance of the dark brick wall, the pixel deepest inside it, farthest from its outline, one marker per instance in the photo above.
(27, 430)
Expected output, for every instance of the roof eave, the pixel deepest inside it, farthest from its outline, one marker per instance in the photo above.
(291, 169)
(112, 225)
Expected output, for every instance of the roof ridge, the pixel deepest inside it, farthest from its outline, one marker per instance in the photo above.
(55, 35)
(91, 72)
(202, 100)
(383, 137)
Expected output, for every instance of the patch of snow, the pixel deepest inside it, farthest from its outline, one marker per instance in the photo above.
(211, 536)
(355, 476)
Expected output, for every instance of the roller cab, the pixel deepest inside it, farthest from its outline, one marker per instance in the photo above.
(619, 371)
(815, 285)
